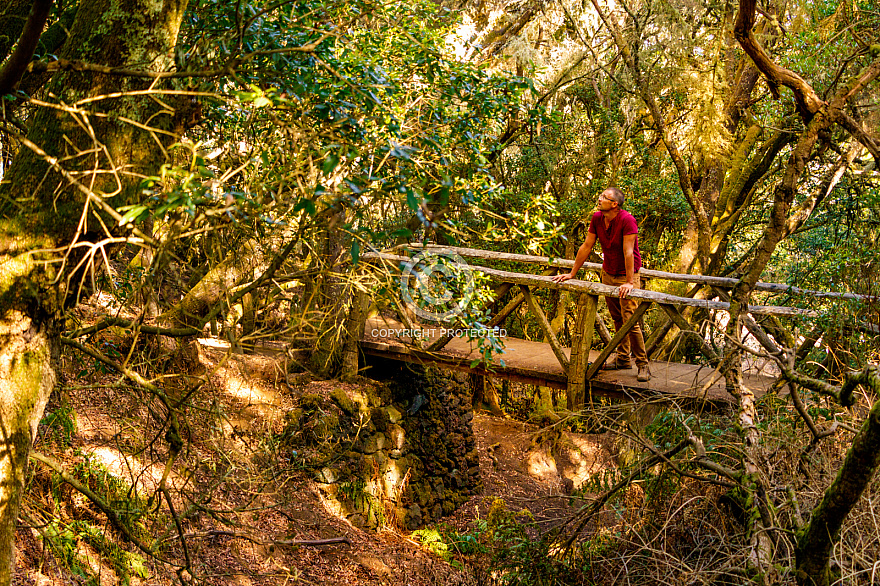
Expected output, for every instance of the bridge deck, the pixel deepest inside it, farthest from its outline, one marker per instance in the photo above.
(535, 363)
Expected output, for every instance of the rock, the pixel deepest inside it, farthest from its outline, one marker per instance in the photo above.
(373, 564)
(373, 463)
(358, 521)
(379, 418)
(372, 443)
(327, 475)
(348, 406)
(413, 517)
(311, 402)
(396, 436)
(394, 416)
(330, 490)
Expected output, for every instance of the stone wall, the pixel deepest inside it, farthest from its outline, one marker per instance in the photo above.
(398, 449)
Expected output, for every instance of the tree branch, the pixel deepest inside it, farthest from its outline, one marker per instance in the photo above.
(129, 324)
(105, 508)
(17, 64)
(807, 100)
(816, 540)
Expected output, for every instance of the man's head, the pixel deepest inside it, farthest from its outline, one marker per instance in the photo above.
(614, 194)
(610, 201)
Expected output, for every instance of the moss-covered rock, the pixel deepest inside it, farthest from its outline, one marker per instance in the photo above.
(345, 402)
(311, 402)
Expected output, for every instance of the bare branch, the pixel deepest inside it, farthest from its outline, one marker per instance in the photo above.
(105, 508)
(17, 63)
(807, 100)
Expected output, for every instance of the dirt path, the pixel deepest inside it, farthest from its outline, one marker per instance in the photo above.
(244, 497)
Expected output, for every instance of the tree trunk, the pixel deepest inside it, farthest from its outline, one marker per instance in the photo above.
(27, 377)
(62, 186)
(817, 539)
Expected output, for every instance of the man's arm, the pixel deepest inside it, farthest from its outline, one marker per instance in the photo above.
(579, 260)
(629, 244)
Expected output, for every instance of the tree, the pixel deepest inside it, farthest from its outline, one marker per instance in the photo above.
(335, 127)
(49, 208)
(751, 164)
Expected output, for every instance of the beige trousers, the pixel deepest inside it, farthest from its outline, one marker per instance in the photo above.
(621, 310)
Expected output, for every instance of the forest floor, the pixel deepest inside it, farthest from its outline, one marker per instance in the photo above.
(241, 499)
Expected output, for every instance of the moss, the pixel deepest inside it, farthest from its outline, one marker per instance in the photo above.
(12, 272)
(326, 426)
(348, 406)
(27, 376)
(380, 418)
(310, 402)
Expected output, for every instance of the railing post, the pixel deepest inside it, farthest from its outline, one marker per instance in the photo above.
(581, 341)
(354, 330)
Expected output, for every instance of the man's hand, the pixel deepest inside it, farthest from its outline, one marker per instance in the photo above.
(625, 289)
(561, 278)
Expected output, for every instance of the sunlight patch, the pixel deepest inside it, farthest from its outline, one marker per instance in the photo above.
(146, 478)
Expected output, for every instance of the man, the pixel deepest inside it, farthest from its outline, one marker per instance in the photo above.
(617, 232)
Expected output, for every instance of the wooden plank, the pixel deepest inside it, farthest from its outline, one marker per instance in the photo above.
(684, 326)
(463, 365)
(545, 325)
(703, 279)
(582, 339)
(602, 330)
(535, 363)
(600, 289)
(617, 339)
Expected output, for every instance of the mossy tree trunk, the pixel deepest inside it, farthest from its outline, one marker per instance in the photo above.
(76, 164)
(816, 540)
(818, 116)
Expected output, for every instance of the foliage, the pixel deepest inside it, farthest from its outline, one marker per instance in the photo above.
(81, 545)
(60, 424)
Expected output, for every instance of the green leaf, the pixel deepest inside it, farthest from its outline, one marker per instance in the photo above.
(330, 163)
(305, 204)
(355, 251)
(132, 214)
(411, 200)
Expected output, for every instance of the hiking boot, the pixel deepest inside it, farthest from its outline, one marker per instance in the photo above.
(613, 364)
(644, 374)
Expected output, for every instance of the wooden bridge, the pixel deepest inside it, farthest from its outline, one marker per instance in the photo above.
(577, 369)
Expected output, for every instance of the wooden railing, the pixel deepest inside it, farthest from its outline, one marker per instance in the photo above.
(722, 282)
(577, 366)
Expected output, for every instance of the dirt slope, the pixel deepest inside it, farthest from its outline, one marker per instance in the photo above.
(240, 497)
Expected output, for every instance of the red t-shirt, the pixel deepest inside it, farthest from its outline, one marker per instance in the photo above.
(611, 241)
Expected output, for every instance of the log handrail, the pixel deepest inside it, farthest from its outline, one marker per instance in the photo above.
(473, 253)
(600, 289)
